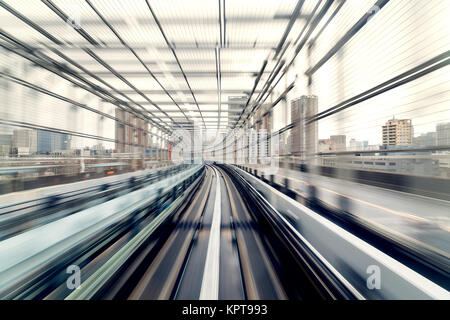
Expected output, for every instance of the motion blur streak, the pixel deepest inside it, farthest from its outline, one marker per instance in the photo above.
(258, 149)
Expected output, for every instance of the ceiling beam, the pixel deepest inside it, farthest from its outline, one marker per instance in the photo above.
(145, 46)
(174, 21)
(212, 62)
(203, 111)
(177, 74)
(149, 72)
(168, 103)
(211, 117)
(169, 46)
(199, 91)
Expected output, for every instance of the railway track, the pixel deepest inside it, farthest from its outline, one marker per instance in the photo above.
(217, 245)
(25, 215)
(208, 232)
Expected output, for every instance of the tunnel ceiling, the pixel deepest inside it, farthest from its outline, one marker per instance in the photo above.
(182, 61)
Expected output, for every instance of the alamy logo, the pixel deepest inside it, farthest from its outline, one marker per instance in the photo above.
(374, 279)
(74, 281)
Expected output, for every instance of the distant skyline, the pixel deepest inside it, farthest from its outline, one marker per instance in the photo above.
(426, 111)
(381, 50)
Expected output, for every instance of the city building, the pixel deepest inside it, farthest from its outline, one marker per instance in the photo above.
(444, 165)
(339, 141)
(304, 137)
(397, 132)
(425, 139)
(355, 145)
(326, 145)
(6, 141)
(5, 150)
(237, 104)
(443, 134)
(400, 164)
(405, 161)
(48, 142)
(25, 142)
(130, 139)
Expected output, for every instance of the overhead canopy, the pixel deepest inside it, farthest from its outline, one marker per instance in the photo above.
(193, 60)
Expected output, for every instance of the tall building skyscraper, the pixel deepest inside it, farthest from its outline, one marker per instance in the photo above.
(235, 108)
(130, 139)
(6, 141)
(443, 134)
(355, 145)
(304, 137)
(397, 132)
(339, 141)
(425, 139)
(25, 141)
(48, 142)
